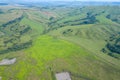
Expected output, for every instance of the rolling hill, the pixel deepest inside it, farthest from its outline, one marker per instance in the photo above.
(46, 40)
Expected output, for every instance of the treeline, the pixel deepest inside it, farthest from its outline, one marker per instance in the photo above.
(114, 18)
(14, 38)
(12, 21)
(113, 46)
(25, 30)
(15, 42)
(57, 23)
(114, 14)
(16, 47)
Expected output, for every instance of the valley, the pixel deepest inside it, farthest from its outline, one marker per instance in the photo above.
(49, 39)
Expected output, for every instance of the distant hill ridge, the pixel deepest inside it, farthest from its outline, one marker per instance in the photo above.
(56, 3)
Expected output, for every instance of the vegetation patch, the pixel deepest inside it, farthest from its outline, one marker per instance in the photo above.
(113, 46)
(49, 39)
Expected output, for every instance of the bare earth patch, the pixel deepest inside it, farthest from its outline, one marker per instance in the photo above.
(7, 61)
(63, 76)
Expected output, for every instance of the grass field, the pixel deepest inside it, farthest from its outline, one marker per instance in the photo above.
(63, 39)
(37, 28)
(45, 57)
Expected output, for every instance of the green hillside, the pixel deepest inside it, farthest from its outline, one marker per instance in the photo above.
(50, 55)
(81, 40)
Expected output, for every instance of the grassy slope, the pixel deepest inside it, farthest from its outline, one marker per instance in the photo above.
(9, 15)
(59, 55)
(49, 55)
(37, 27)
(92, 37)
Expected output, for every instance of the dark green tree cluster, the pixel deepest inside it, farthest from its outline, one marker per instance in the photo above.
(113, 46)
(14, 36)
(114, 43)
(13, 21)
(61, 22)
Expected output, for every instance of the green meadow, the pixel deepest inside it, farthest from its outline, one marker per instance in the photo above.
(45, 40)
(50, 55)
